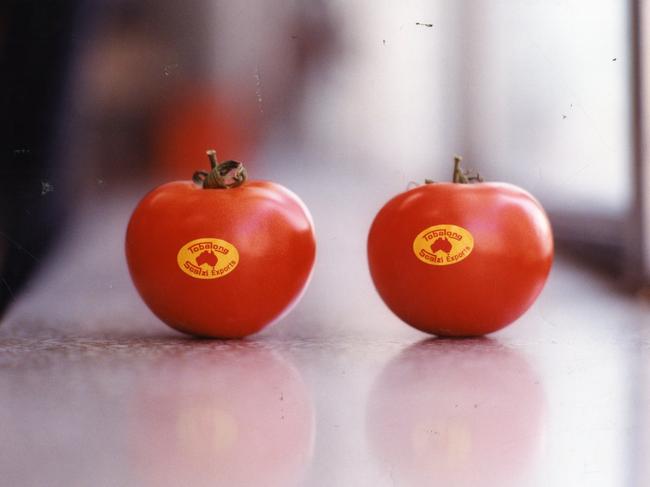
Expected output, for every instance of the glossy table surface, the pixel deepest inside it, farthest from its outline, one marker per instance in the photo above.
(95, 391)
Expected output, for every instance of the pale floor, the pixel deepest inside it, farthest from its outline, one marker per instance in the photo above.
(95, 391)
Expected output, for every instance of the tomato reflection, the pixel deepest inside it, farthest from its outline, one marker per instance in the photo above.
(459, 413)
(232, 416)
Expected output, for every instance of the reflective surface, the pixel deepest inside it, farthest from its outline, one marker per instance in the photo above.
(96, 391)
(457, 413)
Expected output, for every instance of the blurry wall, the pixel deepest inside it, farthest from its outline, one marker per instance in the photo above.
(531, 92)
(546, 100)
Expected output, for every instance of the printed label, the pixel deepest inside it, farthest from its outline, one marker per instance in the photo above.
(443, 245)
(207, 258)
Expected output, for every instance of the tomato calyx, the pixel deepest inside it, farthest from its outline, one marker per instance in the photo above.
(461, 176)
(223, 175)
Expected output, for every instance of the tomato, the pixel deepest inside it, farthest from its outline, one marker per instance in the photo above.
(223, 259)
(456, 259)
(194, 117)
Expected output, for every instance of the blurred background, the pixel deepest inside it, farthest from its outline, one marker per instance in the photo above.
(108, 95)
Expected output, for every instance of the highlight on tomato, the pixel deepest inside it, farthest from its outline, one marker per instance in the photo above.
(220, 255)
(464, 258)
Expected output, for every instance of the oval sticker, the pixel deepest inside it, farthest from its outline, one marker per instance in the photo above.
(443, 244)
(207, 258)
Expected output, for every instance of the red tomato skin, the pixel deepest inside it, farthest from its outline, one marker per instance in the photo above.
(268, 225)
(493, 286)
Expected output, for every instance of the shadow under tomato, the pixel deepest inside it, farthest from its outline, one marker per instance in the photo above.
(456, 412)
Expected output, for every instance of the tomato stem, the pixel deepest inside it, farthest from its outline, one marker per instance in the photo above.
(458, 176)
(212, 155)
(464, 177)
(217, 177)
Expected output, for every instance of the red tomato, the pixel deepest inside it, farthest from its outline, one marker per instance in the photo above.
(457, 259)
(194, 117)
(220, 262)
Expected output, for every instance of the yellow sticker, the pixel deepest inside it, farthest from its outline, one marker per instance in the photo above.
(207, 258)
(443, 244)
